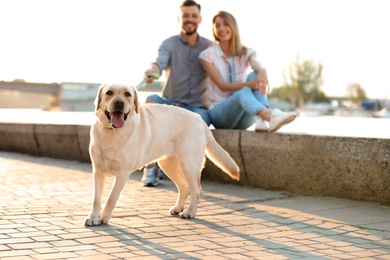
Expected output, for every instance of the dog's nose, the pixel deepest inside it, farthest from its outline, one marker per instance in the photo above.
(118, 102)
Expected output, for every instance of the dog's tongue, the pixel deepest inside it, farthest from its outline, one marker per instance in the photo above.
(117, 120)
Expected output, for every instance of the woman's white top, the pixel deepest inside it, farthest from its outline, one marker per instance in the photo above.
(232, 69)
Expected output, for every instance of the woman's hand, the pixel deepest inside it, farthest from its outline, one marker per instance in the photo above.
(262, 74)
(263, 81)
(253, 83)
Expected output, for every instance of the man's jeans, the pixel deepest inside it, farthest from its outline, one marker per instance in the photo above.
(202, 111)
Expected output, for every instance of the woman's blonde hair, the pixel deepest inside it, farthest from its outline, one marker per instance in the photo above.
(236, 47)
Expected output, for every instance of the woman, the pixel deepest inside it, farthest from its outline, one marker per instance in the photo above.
(237, 100)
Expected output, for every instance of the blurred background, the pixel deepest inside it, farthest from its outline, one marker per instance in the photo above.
(324, 58)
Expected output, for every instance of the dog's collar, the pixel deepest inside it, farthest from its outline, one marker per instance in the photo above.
(110, 127)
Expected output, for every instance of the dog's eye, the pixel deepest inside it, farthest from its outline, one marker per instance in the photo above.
(109, 93)
(127, 94)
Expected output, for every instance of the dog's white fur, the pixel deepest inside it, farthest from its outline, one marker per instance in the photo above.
(174, 137)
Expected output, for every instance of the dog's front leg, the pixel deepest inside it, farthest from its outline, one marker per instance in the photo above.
(99, 180)
(120, 182)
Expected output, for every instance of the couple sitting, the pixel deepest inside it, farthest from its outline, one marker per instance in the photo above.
(210, 78)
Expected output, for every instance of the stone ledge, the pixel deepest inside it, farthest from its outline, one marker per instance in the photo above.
(18, 138)
(354, 168)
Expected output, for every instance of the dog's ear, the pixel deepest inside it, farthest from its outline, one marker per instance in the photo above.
(98, 97)
(136, 102)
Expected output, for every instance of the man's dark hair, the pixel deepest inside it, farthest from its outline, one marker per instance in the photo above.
(190, 3)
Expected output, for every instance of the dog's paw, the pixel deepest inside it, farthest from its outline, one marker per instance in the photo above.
(175, 210)
(91, 222)
(94, 222)
(187, 215)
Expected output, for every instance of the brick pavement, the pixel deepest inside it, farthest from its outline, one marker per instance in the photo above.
(44, 202)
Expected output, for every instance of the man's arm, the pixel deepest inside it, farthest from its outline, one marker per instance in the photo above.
(161, 61)
(153, 69)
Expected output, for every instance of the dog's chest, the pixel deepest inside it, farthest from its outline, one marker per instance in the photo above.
(112, 160)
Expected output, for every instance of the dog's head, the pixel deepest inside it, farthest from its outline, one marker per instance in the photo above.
(115, 103)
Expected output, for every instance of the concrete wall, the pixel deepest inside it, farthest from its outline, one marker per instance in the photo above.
(355, 168)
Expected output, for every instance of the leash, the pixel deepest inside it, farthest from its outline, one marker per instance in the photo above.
(142, 83)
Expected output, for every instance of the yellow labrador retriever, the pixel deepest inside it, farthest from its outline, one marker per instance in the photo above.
(126, 136)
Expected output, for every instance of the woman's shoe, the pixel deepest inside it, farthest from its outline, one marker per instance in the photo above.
(279, 119)
(260, 125)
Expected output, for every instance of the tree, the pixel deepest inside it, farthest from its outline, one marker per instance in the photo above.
(355, 93)
(302, 83)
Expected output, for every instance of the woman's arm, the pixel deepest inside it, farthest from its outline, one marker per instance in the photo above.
(215, 76)
(262, 73)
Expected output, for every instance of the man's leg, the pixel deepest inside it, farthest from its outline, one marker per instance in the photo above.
(152, 173)
(158, 100)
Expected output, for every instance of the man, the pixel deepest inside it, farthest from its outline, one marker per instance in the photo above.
(185, 84)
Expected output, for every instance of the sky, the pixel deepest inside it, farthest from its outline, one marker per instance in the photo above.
(115, 41)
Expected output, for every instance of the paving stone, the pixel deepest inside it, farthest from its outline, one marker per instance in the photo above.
(42, 217)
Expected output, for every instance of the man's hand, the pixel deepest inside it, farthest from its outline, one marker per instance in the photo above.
(152, 73)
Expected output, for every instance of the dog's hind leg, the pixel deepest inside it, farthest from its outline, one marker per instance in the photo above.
(193, 176)
(120, 182)
(171, 167)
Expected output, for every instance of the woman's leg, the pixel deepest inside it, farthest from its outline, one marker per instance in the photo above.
(276, 118)
(265, 112)
(245, 121)
(226, 114)
(251, 105)
(263, 99)
(237, 111)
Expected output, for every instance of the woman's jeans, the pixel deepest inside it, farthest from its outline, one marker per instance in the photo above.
(202, 111)
(239, 110)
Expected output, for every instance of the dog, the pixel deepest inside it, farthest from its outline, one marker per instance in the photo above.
(127, 135)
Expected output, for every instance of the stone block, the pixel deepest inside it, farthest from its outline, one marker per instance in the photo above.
(230, 141)
(19, 138)
(355, 168)
(58, 141)
(83, 137)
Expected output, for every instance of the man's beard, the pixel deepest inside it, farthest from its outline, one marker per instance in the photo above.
(190, 32)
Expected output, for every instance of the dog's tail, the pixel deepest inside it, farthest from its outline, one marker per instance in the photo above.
(220, 157)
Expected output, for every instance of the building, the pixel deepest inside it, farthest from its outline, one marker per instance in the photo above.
(65, 96)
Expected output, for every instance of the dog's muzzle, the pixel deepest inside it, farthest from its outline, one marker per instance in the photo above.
(118, 117)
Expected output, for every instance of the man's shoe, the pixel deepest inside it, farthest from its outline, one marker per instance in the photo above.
(260, 125)
(150, 179)
(161, 174)
(279, 119)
